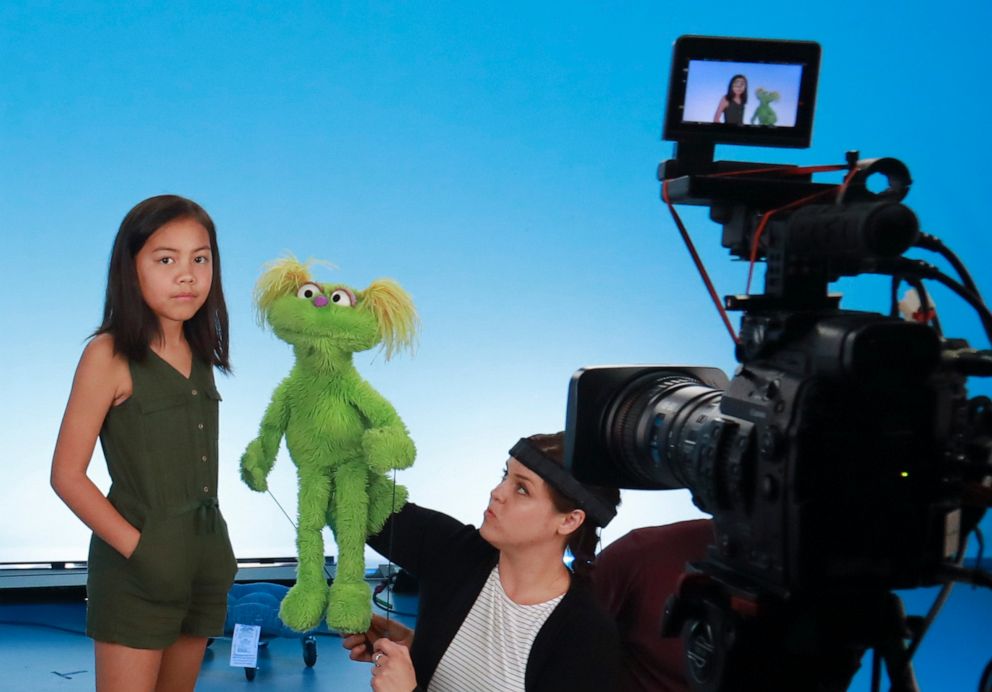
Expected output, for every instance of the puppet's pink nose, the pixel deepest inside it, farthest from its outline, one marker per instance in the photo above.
(320, 301)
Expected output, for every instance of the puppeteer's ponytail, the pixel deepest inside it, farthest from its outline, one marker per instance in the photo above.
(582, 543)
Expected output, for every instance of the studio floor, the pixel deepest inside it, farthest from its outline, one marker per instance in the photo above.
(43, 649)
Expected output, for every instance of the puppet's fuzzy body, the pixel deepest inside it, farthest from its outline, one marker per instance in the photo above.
(341, 434)
(765, 114)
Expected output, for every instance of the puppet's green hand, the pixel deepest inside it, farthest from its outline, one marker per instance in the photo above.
(253, 467)
(388, 448)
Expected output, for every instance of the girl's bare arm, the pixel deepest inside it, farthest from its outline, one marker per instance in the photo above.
(720, 109)
(102, 379)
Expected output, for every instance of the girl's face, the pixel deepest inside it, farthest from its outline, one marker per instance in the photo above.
(738, 86)
(520, 511)
(175, 270)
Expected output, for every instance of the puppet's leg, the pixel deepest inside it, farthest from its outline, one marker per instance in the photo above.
(304, 605)
(350, 607)
(385, 498)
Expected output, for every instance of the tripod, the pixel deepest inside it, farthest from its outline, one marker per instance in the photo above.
(738, 640)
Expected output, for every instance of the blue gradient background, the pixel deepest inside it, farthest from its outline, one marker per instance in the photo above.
(497, 160)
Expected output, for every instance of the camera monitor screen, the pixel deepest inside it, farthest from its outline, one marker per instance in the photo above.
(742, 91)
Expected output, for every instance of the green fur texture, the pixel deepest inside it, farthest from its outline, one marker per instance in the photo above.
(341, 434)
(765, 114)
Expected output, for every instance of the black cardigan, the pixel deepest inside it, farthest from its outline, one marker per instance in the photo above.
(577, 648)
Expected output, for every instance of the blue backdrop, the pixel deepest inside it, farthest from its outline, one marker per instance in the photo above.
(498, 160)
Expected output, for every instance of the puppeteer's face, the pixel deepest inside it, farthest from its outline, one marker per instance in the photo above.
(175, 270)
(520, 512)
(739, 86)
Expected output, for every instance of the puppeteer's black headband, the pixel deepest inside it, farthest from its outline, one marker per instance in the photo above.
(598, 511)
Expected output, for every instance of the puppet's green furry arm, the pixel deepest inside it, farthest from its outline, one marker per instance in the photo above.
(260, 455)
(386, 443)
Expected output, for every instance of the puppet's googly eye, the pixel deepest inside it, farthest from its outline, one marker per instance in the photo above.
(308, 291)
(343, 297)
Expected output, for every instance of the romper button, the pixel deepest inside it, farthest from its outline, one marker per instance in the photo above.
(203, 458)
(200, 426)
(205, 489)
(194, 392)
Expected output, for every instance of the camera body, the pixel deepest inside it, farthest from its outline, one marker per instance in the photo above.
(835, 463)
(830, 461)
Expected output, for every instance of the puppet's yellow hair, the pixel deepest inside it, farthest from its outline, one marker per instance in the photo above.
(392, 307)
(281, 277)
(395, 314)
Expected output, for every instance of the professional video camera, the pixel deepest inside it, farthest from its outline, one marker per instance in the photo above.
(845, 458)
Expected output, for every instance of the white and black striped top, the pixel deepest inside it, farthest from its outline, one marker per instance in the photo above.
(491, 648)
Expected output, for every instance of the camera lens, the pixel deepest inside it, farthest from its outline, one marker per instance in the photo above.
(654, 427)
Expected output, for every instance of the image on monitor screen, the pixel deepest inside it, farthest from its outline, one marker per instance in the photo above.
(742, 93)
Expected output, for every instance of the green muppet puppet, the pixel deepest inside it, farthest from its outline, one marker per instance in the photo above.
(764, 113)
(342, 435)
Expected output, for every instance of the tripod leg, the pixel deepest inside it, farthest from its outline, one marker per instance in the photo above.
(892, 646)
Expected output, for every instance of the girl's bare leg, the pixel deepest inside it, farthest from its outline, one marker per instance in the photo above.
(181, 664)
(121, 668)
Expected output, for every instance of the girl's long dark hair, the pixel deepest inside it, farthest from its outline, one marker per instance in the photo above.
(128, 319)
(730, 89)
(583, 541)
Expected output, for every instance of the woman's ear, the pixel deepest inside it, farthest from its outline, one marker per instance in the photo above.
(571, 521)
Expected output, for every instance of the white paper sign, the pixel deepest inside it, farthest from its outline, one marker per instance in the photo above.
(244, 646)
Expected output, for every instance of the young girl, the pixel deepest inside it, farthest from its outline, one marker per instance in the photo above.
(731, 106)
(160, 562)
(498, 608)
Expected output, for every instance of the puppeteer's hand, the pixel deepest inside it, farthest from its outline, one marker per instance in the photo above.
(392, 669)
(388, 448)
(360, 645)
(253, 467)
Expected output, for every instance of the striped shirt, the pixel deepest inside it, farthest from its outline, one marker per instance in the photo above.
(491, 648)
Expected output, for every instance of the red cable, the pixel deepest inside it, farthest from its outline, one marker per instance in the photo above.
(786, 170)
(797, 203)
(764, 222)
(699, 263)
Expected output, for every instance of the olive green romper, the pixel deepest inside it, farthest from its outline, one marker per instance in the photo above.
(161, 451)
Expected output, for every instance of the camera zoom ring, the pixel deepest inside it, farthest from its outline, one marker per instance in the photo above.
(629, 414)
